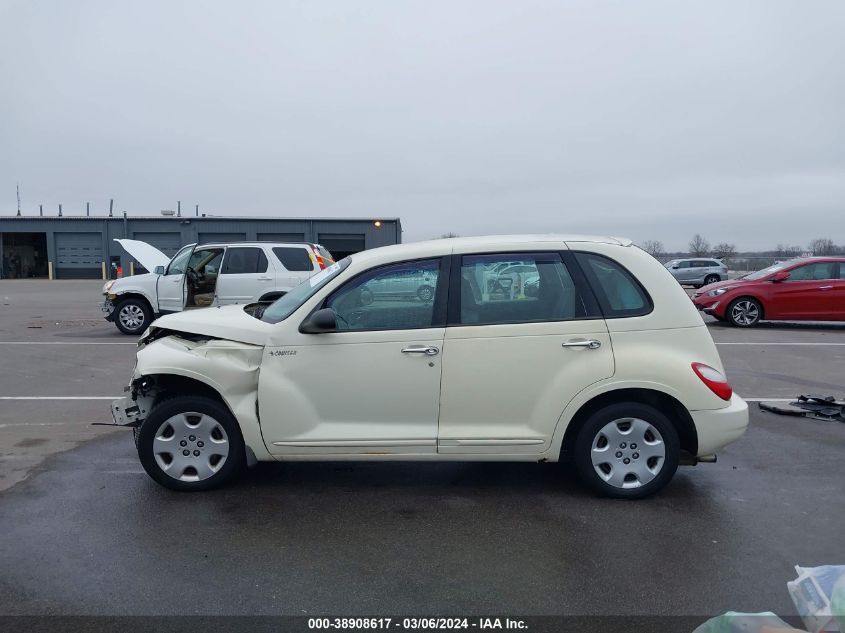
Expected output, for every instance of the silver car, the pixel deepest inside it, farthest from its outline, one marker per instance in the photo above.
(697, 271)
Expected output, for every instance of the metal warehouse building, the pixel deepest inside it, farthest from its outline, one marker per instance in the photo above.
(84, 247)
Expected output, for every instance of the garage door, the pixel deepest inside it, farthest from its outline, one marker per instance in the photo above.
(342, 244)
(281, 237)
(79, 255)
(208, 238)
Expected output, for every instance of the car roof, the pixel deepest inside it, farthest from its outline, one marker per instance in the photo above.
(256, 243)
(481, 244)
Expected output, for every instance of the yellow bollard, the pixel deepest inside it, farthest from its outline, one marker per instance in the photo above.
(131, 268)
(103, 270)
(50, 271)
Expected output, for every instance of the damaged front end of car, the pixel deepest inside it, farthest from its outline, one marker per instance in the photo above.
(174, 363)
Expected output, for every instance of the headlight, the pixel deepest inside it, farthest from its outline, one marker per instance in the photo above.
(717, 292)
(107, 286)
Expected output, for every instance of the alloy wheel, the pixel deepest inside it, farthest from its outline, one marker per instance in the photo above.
(628, 453)
(190, 446)
(745, 312)
(131, 316)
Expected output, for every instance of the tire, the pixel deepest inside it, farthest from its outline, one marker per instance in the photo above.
(711, 279)
(132, 316)
(425, 293)
(216, 437)
(744, 312)
(632, 429)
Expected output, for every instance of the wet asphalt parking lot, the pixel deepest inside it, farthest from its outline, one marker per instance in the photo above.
(84, 531)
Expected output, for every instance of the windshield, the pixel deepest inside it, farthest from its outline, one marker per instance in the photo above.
(283, 307)
(768, 271)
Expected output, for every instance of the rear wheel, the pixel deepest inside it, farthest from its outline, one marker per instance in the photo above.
(711, 279)
(627, 450)
(190, 443)
(744, 312)
(132, 316)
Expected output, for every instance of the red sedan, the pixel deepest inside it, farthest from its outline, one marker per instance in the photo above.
(807, 289)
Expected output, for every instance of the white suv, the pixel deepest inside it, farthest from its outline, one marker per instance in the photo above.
(608, 363)
(207, 275)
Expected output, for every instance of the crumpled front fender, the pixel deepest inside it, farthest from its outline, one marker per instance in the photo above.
(229, 368)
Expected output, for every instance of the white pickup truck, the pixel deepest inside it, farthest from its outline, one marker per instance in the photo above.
(207, 275)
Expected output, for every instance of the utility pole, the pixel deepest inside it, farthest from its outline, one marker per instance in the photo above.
(18, 191)
(60, 210)
(87, 209)
(197, 211)
(111, 207)
(178, 208)
(41, 210)
(125, 225)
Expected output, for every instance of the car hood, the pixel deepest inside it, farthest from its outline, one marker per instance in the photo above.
(149, 256)
(125, 282)
(229, 322)
(730, 283)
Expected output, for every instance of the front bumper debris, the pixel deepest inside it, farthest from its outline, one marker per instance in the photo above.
(130, 412)
(108, 308)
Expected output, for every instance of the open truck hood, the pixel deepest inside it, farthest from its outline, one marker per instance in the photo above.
(229, 322)
(148, 256)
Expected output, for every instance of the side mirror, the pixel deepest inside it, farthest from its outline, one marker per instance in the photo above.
(782, 275)
(158, 270)
(319, 322)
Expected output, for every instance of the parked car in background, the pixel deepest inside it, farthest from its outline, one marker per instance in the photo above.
(806, 289)
(608, 364)
(412, 285)
(697, 271)
(207, 275)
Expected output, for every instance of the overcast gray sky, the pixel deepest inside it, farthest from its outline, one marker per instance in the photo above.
(644, 119)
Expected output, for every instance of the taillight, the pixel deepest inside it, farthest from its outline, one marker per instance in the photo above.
(714, 380)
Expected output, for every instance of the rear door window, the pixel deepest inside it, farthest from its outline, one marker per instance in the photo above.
(294, 258)
(618, 292)
(244, 259)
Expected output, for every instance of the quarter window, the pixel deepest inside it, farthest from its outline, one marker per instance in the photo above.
(619, 294)
(539, 289)
(395, 297)
(241, 260)
(293, 258)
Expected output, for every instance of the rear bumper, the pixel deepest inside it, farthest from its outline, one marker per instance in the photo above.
(719, 427)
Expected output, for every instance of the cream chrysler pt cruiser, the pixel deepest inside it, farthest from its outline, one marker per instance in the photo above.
(583, 348)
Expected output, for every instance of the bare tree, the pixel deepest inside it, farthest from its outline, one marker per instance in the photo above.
(699, 246)
(785, 250)
(823, 246)
(653, 248)
(724, 250)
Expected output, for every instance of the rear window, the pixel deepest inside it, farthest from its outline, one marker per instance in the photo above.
(619, 294)
(294, 258)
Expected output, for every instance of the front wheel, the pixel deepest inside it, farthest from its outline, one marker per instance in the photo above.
(132, 316)
(190, 443)
(744, 312)
(627, 451)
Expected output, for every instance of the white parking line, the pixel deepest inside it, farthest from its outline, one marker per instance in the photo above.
(768, 399)
(66, 343)
(59, 397)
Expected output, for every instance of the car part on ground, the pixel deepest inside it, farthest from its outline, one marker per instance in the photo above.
(811, 406)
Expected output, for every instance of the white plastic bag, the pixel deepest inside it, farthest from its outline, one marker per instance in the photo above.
(819, 596)
(733, 622)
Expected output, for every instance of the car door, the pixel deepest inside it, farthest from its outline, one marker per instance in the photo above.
(807, 294)
(370, 387)
(512, 363)
(245, 275)
(170, 287)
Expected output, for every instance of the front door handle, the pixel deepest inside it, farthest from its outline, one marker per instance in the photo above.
(825, 287)
(591, 344)
(428, 350)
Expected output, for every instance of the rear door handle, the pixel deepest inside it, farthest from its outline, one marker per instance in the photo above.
(428, 350)
(825, 287)
(591, 344)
